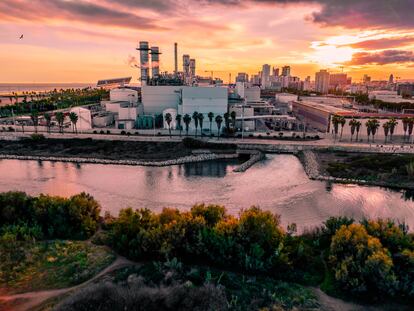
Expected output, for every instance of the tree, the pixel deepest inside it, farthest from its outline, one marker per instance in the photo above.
(233, 118)
(335, 123)
(352, 124)
(219, 120)
(342, 122)
(200, 119)
(368, 126)
(60, 118)
(358, 125)
(227, 121)
(74, 120)
(405, 122)
(210, 118)
(392, 125)
(35, 119)
(48, 120)
(195, 118)
(374, 127)
(386, 127)
(168, 119)
(187, 121)
(360, 263)
(178, 118)
(410, 128)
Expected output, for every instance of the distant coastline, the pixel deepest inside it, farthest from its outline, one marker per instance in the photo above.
(7, 88)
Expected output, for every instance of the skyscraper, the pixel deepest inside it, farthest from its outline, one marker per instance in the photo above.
(265, 76)
(275, 72)
(242, 77)
(322, 81)
(286, 71)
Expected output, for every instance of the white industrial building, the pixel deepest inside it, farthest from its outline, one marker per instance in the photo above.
(249, 93)
(183, 100)
(84, 118)
(123, 94)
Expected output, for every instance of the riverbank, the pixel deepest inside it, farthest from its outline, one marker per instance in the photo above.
(390, 171)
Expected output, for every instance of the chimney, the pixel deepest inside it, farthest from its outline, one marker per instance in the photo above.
(175, 58)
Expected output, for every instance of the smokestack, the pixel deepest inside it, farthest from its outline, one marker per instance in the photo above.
(175, 58)
(155, 61)
(186, 68)
(144, 61)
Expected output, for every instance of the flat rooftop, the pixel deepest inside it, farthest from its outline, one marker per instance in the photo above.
(325, 107)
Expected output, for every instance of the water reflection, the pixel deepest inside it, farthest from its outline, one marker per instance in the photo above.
(278, 184)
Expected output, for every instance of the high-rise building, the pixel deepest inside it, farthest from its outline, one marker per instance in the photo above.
(192, 68)
(391, 79)
(186, 68)
(265, 76)
(366, 78)
(275, 72)
(286, 71)
(338, 80)
(322, 81)
(242, 77)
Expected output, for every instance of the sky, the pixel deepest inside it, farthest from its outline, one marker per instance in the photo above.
(87, 40)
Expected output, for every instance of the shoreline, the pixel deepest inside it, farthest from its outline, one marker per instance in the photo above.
(311, 166)
(182, 160)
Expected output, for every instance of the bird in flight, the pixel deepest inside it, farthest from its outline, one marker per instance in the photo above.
(21, 37)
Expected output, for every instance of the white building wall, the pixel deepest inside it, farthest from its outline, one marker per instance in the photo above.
(156, 99)
(84, 118)
(123, 94)
(128, 113)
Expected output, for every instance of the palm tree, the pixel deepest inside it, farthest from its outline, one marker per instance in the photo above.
(219, 120)
(35, 119)
(405, 122)
(48, 119)
(74, 120)
(368, 125)
(233, 118)
(210, 118)
(392, 125)
(374, 127)
(410, 128)
(342, 121)
(227, 121)
(178, 118)
(352, 124)
(358, 125)
(386, 127)
(200, 120)
(335, 123)
(168, 119)
(187, 121)
(60, 118)
(195, 118)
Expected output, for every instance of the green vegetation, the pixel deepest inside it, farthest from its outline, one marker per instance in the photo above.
(172, 285)
(393, 169)
(34, 103)
(30, 259)
(31, 266)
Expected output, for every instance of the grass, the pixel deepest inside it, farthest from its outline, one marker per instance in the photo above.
(243, 292)
(31, 266)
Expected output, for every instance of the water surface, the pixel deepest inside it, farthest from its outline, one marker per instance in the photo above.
(278, 184)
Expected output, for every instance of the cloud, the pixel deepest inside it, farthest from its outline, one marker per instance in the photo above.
(382, 44)
(79, 10)
(381, 58)
(356, 14)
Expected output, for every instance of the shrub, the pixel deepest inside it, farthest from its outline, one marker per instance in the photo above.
(123, 133)
(108, 132)
(101, 132)
(360, 263)
(136, 133)
(37, 137)
(212, 214)
(95, 132)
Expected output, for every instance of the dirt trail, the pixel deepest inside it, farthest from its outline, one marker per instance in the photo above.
(26, 301)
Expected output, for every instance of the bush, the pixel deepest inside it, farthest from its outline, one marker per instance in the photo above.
(361, 265)
(101, 132)
(76, 217)
(123, 133)
(108, 132)
(136, 133)
(37, 137)
(95, 132)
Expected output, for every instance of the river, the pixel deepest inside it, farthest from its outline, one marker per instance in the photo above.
(278, 184)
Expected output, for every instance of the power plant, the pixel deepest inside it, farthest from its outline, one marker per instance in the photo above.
(144, 61)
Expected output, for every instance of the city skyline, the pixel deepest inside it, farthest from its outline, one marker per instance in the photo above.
(83, 41)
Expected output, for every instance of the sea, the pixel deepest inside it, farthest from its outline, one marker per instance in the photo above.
(8, 88)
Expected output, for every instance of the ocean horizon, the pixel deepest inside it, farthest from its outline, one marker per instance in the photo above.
(8, 88)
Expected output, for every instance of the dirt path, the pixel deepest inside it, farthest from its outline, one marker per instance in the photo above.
(26, 301)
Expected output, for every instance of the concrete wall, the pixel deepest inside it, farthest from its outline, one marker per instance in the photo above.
(122, 94)
(84, 118)
(158, 98)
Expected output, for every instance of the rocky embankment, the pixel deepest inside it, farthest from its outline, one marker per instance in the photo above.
(255, 156)
(182, 160)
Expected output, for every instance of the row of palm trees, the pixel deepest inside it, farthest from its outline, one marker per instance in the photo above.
(372, 125)
(60, 119)
(198, 118)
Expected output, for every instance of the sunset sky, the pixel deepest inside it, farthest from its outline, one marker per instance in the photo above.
(87, 40)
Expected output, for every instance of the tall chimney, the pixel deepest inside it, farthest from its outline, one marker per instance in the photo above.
(155, 61)
(175, 58)
(144, 61)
